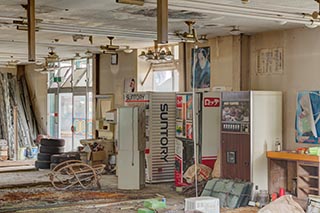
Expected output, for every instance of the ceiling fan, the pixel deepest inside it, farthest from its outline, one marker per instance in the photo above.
(52, 56)
(111, 48)
(190, 36)
(12, 62)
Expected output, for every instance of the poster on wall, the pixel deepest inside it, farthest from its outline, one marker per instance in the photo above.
(307, 125)
(129, 85)
(200, 68)
(270, 61)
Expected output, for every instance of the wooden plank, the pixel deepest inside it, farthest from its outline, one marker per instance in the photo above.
(17, 168)
(17, 163)
(292, 156)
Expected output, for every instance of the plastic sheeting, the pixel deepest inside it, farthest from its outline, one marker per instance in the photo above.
(231, 193)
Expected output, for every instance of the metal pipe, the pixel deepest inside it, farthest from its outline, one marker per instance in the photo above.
(87, 97)
(31, 31)
(72, 89)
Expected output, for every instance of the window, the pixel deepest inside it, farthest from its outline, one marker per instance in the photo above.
(166, 81)
(159, 77)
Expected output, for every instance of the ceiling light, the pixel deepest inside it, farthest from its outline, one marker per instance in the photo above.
(311, 24)
(203, 39)
(143, 55)
(77, 56)
(159, 54)
(235, 31)
(128, 50)
(88, 53)
(245, 1)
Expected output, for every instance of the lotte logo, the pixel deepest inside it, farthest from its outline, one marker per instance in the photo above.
(211, 102)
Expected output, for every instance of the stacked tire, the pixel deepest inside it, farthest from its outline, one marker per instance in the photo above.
(48, 148)
(59, 158)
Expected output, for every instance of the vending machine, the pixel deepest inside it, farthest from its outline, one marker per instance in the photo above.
(131, 146)
(160, 119)
(251, 124)
(205, 121)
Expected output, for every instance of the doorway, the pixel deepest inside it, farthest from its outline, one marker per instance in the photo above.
(70, 102)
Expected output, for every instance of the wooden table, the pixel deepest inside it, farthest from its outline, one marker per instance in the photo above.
(284, 166)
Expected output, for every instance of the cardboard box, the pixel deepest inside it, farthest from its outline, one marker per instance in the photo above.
(98, 156)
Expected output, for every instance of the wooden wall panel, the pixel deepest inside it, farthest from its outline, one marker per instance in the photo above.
(239, 143)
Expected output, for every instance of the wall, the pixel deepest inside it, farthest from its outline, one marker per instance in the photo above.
(37, 84)
(112, 77)
(301, 71)
(225, 62)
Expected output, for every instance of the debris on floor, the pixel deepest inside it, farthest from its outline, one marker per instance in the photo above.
(232, 193)
(282, 204)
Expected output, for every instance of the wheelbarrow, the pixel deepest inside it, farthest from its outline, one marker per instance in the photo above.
(76, 173)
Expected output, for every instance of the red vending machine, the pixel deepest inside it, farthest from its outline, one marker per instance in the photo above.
(206, 119)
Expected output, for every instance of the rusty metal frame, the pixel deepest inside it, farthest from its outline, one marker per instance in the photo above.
(74, 173)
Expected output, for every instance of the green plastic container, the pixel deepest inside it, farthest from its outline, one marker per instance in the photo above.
(154, 204)
(144, 210)
(314, 151)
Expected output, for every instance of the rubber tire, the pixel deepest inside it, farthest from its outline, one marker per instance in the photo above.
(64, 157)
(52, 165)
(42, 164)
(44, 157)
(51, 149)
(52, 142)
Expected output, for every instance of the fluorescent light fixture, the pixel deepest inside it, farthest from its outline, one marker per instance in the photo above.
(134, 2)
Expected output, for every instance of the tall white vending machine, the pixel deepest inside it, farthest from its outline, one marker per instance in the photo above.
(205, 121)
(160, 110)
(131, 146)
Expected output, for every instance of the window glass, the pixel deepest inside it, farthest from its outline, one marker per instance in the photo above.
(165, 81)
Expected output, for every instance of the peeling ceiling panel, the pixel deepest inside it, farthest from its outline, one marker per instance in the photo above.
(134, 25)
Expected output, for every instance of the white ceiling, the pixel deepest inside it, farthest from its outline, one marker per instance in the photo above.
(136, 25)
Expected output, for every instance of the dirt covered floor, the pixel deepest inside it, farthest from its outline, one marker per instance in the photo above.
(32, 192)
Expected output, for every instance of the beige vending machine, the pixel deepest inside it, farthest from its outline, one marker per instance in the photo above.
(131, 146)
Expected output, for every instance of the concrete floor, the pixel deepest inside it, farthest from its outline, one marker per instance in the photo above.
(31, 191)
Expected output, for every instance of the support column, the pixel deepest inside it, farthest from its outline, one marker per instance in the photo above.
(31, 31)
